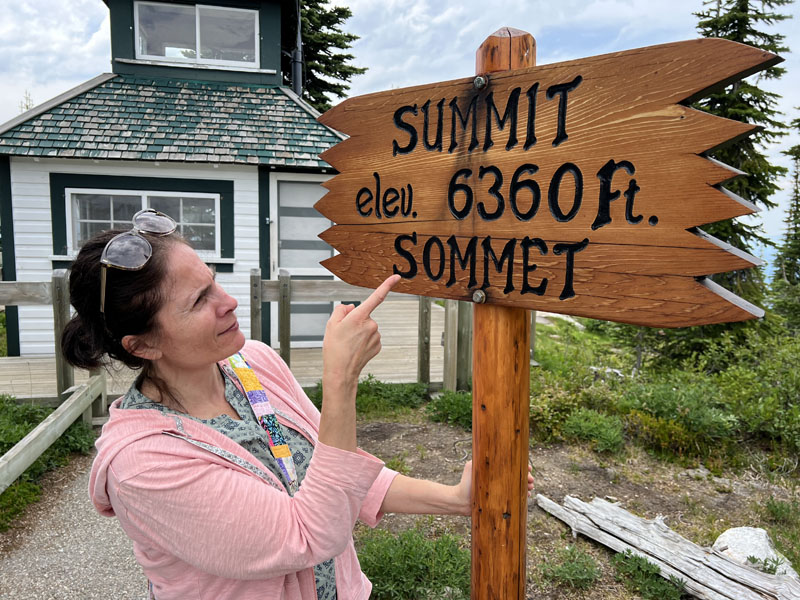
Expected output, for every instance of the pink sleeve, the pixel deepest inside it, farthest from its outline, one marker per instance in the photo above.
(233, 525)
(370, 511)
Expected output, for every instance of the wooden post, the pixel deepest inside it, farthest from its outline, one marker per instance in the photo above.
(285, 315)
(533, 339)
(450, 345)
(100, 405)
(464, 346)
(424, 341)
(255, 305)
(500, 413)
(65, 378)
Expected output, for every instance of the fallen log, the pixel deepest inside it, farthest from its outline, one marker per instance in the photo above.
(705, 573)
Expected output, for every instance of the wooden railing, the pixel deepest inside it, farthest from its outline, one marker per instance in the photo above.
(87, 400)
(285, 290)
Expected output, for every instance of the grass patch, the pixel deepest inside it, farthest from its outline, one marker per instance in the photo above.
(16, 421)
(378, 400)
(411, 566)
(642, 577)
(603, 432)
(572, 568)
(783, 524)
(454, 408)
(398, 463)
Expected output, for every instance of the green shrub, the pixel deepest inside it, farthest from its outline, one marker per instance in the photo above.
(572, 567)
(16, 421)
(665, 436)
(451, 407)
(643, 577)
(604, 432)
(376, 399)
(411, 566)
(688, 404)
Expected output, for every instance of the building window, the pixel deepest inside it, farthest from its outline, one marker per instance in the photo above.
(209, 35)
(92, 211)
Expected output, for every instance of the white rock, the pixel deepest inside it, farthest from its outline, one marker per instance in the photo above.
(740, 543)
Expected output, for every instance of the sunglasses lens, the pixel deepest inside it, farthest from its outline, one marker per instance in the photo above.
(127, 251)
(149, 221)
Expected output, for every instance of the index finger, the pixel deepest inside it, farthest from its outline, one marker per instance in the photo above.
(375, 298)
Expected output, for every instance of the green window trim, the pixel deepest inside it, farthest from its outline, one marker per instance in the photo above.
(60, 182)
(9, 260)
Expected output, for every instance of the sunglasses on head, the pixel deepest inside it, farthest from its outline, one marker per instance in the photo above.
(130, 251)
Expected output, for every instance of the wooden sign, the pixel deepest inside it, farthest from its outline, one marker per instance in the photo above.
(575, 187)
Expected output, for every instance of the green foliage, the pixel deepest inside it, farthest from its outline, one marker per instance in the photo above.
(327, 69)
(376, 399)
(643, 577)
(398, 463)
(565, 381)
(767, 565)
(411, 566)
(685, 405)
(572, 567)
(785, 291)
(760, 388)
(783, 524)
(16, 421)
(451, 407)
(15, 498)
(604, 432)
(747, 22)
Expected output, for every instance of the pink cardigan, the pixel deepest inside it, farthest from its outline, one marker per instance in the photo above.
(206, 527)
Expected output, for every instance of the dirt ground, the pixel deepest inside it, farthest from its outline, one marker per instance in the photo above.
(695, 503)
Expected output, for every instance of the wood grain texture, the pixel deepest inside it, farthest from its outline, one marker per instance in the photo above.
(614, 157)
(500, 417)
(500, 422)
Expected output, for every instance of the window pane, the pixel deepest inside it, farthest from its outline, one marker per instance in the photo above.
(87, 230)
(201, 237)
(167, 30)
(227, 34)
(198, 210)
(124, 209)
(96, 207)
(169, 205)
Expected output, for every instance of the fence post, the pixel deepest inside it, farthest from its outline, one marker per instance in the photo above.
(65, 377)
(424, 341)
(450, 344)
(100, 405)
(464, 346)
(285, 315)
(255, 305)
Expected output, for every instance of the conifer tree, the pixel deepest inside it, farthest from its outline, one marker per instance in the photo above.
(327, 68)
(786, 278)
(742, 21)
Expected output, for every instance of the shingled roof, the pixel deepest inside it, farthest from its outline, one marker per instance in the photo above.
(136, 118)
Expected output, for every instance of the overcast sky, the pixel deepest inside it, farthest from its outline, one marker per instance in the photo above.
(50, 46)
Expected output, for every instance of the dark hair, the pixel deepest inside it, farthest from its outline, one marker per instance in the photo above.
(132, 300)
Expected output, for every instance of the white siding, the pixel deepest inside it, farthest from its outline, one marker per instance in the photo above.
(30, 191)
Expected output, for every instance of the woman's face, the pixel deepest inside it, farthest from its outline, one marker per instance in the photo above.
(196, 324)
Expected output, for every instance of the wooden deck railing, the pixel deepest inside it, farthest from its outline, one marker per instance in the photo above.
(87, 400)
(285, 290)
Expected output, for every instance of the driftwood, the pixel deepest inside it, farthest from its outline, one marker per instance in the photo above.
(706, 574)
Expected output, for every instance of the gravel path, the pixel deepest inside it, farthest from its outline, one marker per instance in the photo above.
(63, 550)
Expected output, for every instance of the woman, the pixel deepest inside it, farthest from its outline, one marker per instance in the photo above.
(207, 460)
